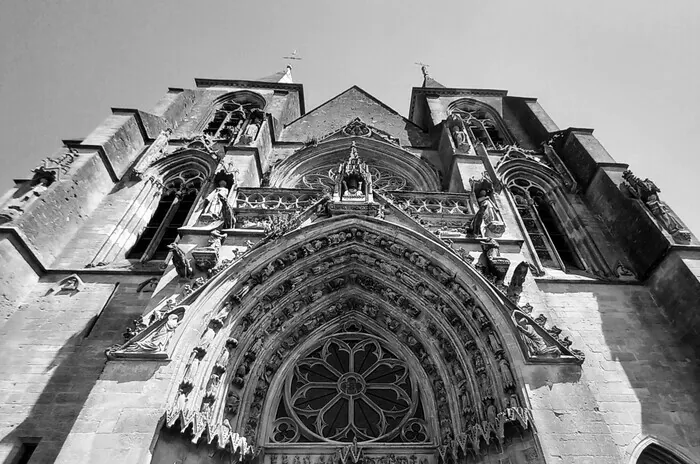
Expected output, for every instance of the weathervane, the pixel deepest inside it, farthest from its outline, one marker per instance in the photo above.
(423, 67)
(292, 57)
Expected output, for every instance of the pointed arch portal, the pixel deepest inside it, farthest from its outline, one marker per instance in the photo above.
(351, 339)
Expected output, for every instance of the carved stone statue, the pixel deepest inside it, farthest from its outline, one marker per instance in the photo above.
(535, 343)
(159, 339)
(488, 213)
(491, 262)
(515, 287)
(460, 138)
(506, 374)
(216, 201)
(251, 131)
(647, 191)
(180, 261)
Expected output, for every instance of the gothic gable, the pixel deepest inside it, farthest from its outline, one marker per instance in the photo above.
(342, 109)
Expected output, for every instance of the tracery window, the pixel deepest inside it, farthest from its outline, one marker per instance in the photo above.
(480, 126)
(236, 119)
(350, 387)
(176, 201)
(542, 226)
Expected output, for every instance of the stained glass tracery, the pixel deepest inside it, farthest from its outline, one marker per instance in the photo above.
(350, 387)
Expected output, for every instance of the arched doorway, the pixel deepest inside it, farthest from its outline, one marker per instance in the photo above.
(279, 328)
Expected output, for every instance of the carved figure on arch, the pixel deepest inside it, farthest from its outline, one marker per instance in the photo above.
(159, 339)
(536, 345)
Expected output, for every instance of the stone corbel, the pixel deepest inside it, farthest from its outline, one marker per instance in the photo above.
(207, 257)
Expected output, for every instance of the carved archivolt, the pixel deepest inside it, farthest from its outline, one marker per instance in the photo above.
(280, 308)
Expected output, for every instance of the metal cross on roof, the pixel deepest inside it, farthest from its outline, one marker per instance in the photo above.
(293, 56)
(423, 67)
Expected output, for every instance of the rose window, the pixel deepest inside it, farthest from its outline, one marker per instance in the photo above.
(350, 388)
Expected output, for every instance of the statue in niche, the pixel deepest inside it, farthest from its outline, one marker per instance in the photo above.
(251, 131)
(506, 374)
(24, 197)
(536, 345)
(157, 341)
(459, 136)
(458, 132)
(488, 213)
(216, 201)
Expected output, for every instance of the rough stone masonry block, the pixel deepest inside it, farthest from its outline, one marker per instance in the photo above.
(121, 139)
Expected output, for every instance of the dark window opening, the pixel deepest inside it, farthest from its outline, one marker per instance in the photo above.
(150, 231)
(26, 450)
(230, 119)
(654, 454)
(543, 227)
(480, 134)
(559, 239)
(178, 221)
(179, 196)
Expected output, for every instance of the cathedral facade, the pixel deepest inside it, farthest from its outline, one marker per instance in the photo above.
(230, 278)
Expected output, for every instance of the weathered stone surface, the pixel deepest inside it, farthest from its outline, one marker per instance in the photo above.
(609, 361)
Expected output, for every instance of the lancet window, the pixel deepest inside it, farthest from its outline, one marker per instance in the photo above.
(178, 197)
(546, 233)
(236, 119)
(481, 126)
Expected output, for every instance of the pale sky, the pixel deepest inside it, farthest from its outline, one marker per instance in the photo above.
(628, 69)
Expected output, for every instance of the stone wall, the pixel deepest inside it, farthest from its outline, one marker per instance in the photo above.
(638, 378)
(53, 348)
